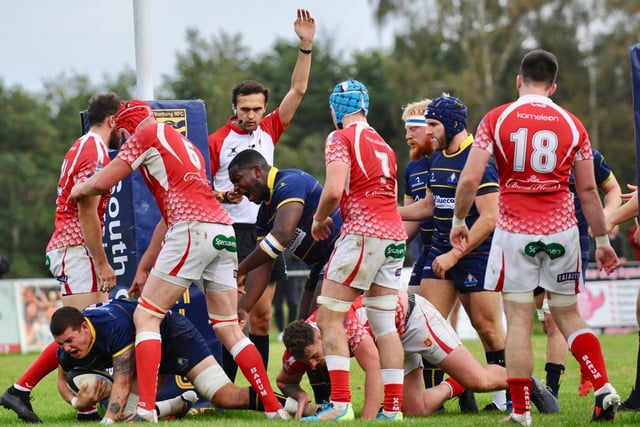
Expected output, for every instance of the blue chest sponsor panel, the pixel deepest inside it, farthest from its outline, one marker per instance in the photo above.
(132, 215)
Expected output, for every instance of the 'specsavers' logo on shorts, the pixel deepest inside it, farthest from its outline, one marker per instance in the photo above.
(221, 242)
(395, 251)
(554, 250)
(174, 117)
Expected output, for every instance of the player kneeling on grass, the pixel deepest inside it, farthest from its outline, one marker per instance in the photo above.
(424, 334)
(103, 337)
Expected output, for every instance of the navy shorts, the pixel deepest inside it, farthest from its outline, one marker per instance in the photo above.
(467, 275)
(183, 347)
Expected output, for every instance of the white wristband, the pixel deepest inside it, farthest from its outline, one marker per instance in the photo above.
(107, 420)
(74, 402)
(602, 241)
(457, 222)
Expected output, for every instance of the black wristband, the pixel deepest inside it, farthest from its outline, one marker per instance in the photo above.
(306, 51)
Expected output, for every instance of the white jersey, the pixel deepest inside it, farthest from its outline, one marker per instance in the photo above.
(227, 142)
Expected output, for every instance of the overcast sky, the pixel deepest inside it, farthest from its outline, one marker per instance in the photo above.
(41, 39)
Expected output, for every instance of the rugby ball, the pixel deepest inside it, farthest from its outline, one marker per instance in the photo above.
(77, 377)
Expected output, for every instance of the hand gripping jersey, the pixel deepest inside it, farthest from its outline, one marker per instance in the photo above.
(293, 185)
(174, 170)
(535, 143)
(369, 205)
(86, 156)
(227, 142)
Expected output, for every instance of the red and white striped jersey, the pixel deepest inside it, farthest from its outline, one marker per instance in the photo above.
(535, 143)
(87, 155)
(174, 170)
(369, 204)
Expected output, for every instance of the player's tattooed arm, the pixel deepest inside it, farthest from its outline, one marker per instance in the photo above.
(123, 370)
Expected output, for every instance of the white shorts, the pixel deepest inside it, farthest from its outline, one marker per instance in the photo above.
(357, 261)
(521, 262)
(73, 267)
(195, 250)
(428, 335)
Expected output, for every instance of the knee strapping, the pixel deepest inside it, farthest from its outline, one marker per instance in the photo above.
(561, 300)
(333, 304)
(152, 309)
(216, 321)
(382, 302)
(522, 297)
(209, 381)
(382, 322)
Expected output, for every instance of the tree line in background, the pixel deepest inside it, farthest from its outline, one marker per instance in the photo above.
(468, 48)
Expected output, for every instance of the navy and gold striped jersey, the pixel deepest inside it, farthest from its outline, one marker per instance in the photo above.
(294, 185)
(113, 333)
(416, 179)
(444, 174)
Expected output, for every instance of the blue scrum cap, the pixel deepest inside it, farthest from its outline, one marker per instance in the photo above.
(348, 98)
(451, 112)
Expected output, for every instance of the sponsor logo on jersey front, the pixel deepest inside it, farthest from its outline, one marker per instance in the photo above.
(444, 202)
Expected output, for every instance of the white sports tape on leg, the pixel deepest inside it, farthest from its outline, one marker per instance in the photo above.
(382, 302)
(523, 297)
(209, 381)
(381, 322)
(216, 321)
(334, 304)
(561, 300)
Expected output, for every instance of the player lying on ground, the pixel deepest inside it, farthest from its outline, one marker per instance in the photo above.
(424, 333)
(103, 337)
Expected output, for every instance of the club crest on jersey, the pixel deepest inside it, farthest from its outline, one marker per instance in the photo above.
(453, 179)
(221, 242)
(554, 250)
